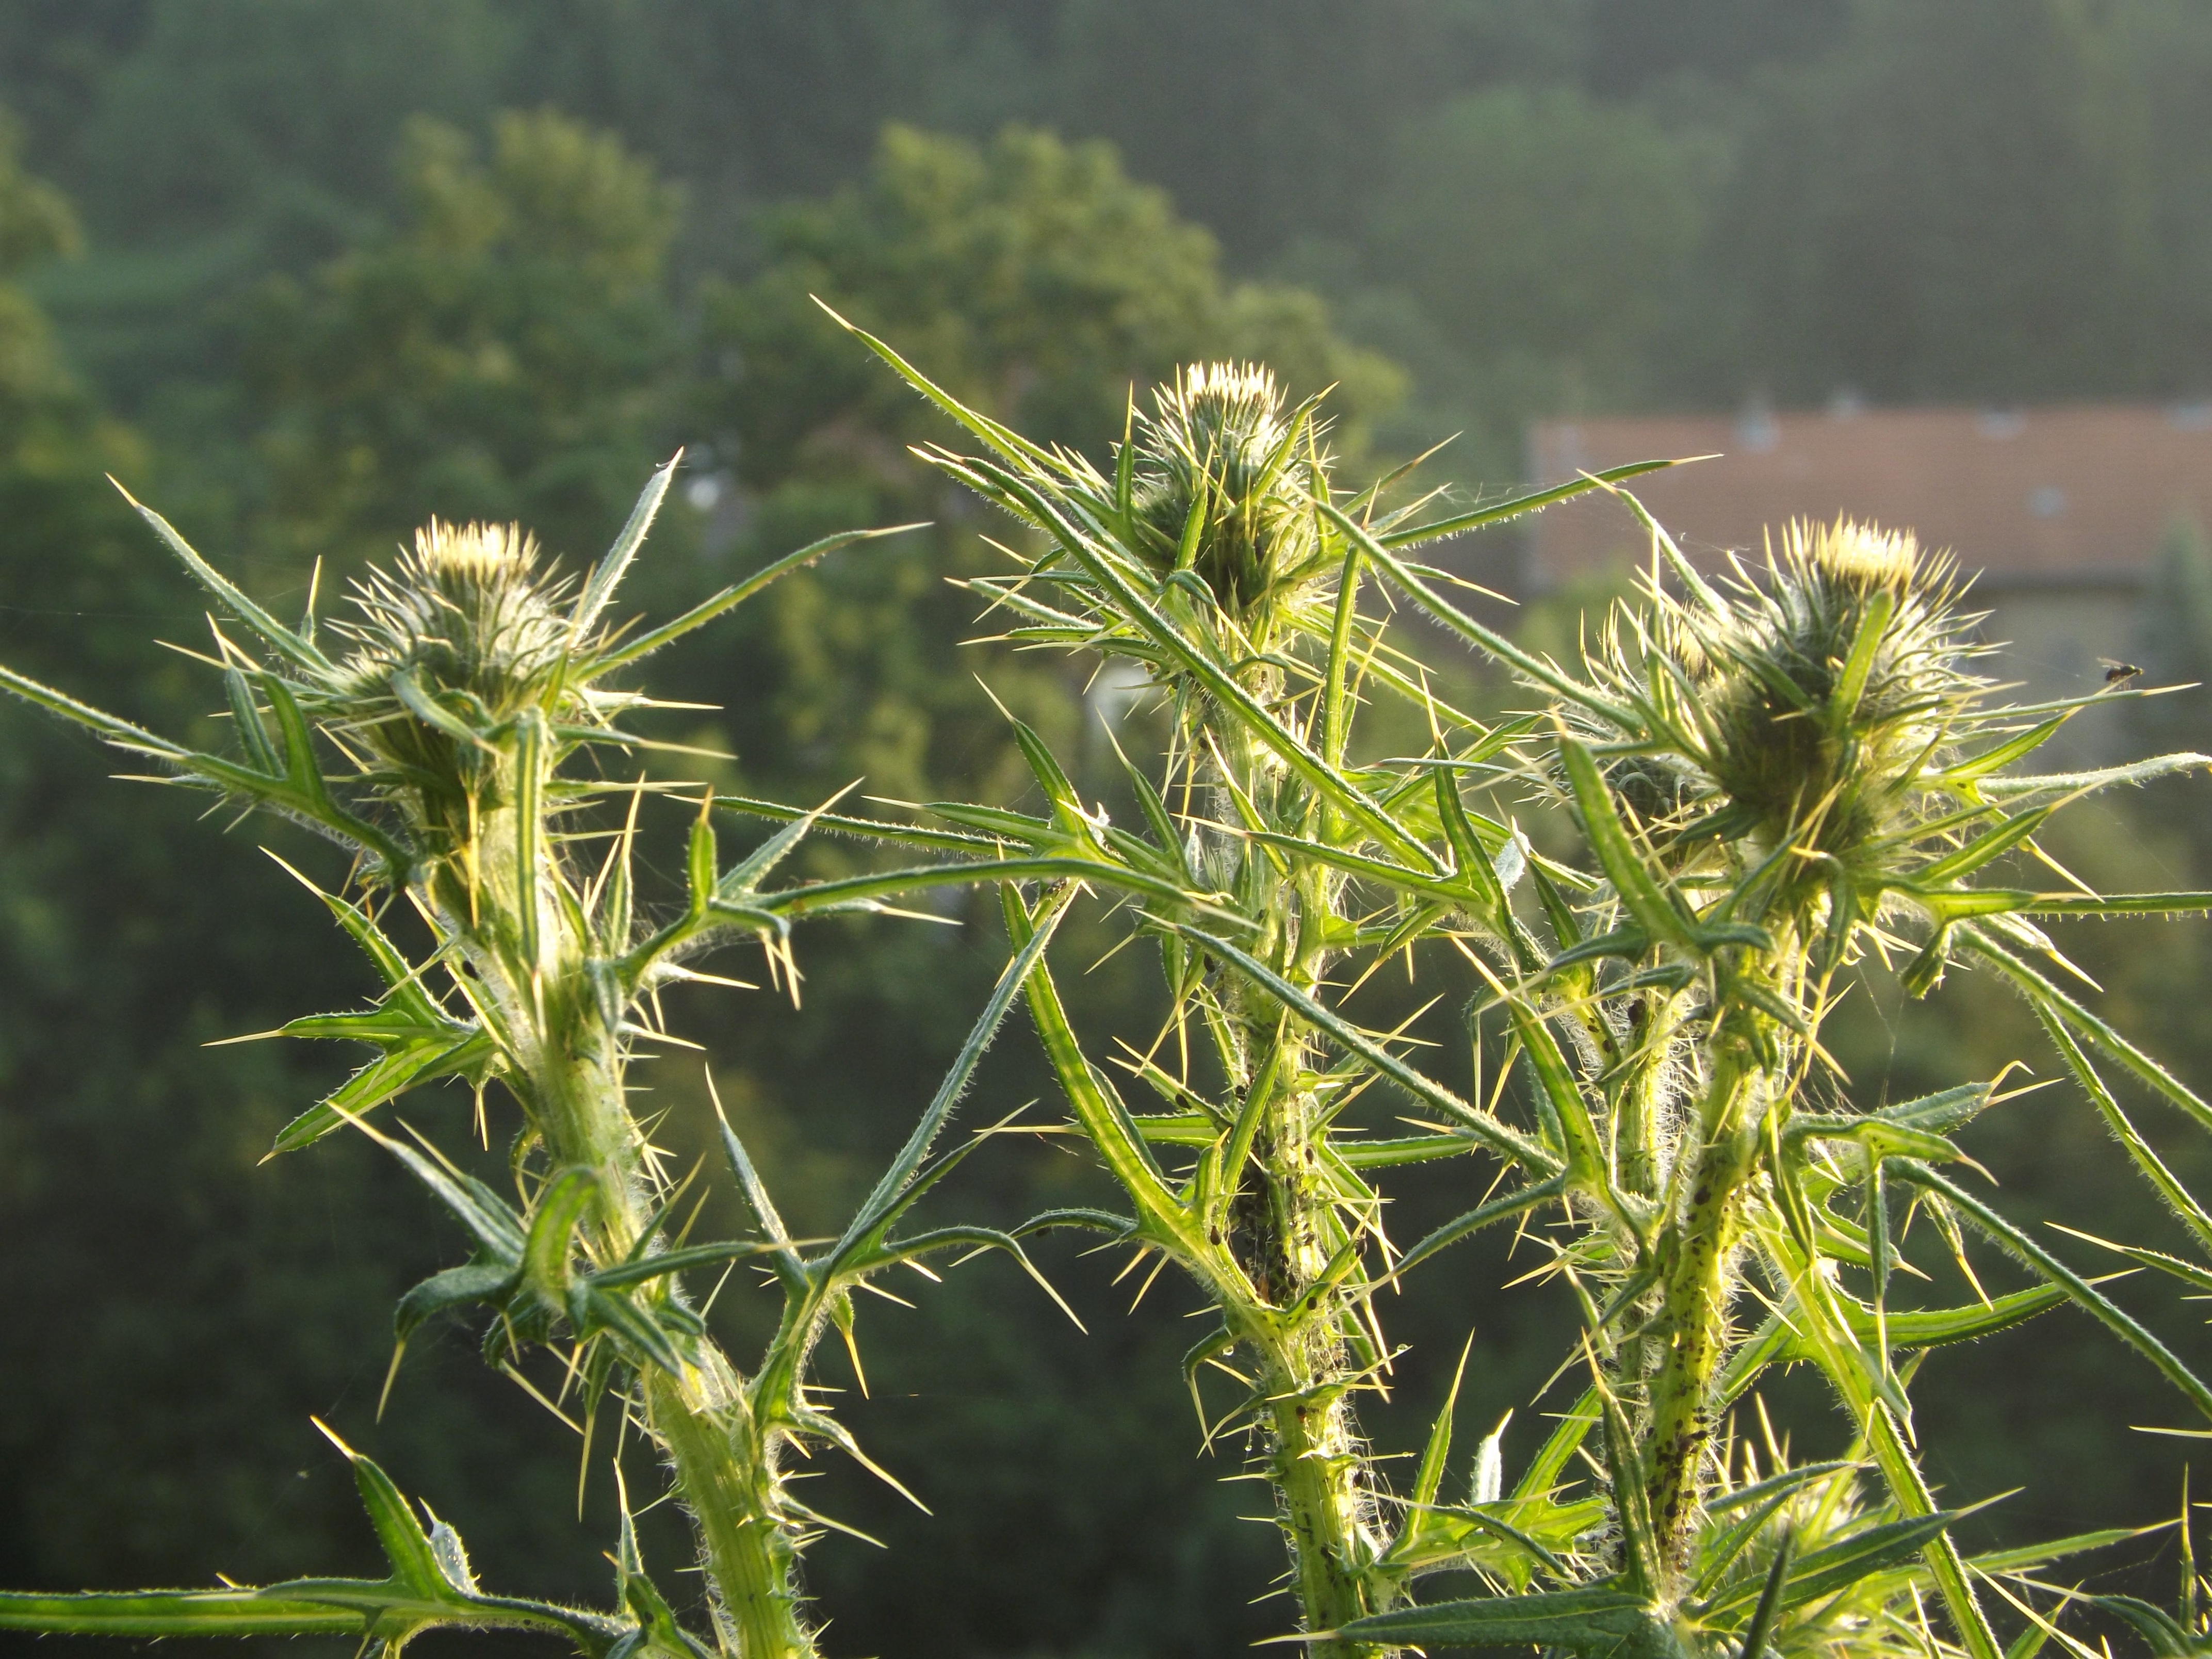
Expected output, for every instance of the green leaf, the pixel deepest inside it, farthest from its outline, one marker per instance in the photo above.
(383, 1079)
(1559, 1448)
(592, 1309)
(2031, 1254)
(1720, 1546)
(2177, 1197)
(119, 732)
(1470, 859)
(1429, 1478)
(282, 640)
(1983, 848)
(2083, 783)
(1500, 1136)
(2188, 1273)
(551, 1240)
(903, 1182)
(1578, 1621)
(1500, 512)
(1932, 1327)
(2118, 904)
(1769, 1599)
(1489, 641)
(1104, 1120)
(456, 1287)
(1484, 1215)
(175, 1612)
(647, 1268)
(489, 1218)
(607, 574)
(2160, 1629)
(2034, 1555)
(745, 877)
(700, 861)
(705, 612)
(1879, 1137)
(431, 712)
(2004, 754)
(2040, 991)
(1940, 1113)
(1624, 866)
(253, 735)
(1844, 700)
(406, 1546)
(1585, 1147)
(1856, 1558)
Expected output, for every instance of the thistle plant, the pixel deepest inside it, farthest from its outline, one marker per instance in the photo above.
(1779, 778)
(449, 737)
(1219, 556)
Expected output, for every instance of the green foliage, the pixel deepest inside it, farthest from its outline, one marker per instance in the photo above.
(1547, 236)
(469, 683)
(1035, 277)
(1041, 283)
(497, 356)
(2037, 259)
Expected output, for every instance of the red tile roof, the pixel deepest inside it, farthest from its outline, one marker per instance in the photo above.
(2064, 494)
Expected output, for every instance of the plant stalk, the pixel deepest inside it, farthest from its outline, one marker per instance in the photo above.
(497, 900)
(1286, 1229)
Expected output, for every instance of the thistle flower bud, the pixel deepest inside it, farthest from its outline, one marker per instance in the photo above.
(1224, 478)
(1835, 684)
(465, 634)
(1799, 705)
(467, 611)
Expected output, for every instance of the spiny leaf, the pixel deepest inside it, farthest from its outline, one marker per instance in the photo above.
(1578, 1621)
(607, 574)
(553, 1222)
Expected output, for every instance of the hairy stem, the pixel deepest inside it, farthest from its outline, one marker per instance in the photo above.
(1286, 1231)
(531, 962)
(701, 1421)
(1694, 1304)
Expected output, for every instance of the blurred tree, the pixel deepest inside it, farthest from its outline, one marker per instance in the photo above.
(1961, 203)
(1270, 129)
(177, 1319)
(1632, 45)
(501, 354)
(1549, 238)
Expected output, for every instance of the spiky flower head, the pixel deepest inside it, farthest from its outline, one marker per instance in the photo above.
(1224, 484)
(1836, 684)
(467, 610)
(468, 632)
(1796, 705)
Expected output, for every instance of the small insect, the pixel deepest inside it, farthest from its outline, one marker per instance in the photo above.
(2119, 673)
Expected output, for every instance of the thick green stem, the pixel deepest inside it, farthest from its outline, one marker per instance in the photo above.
(1694, 1307)
(701, 1421)
(1318, 1469)
(1286, 1233)
(723, 1467)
